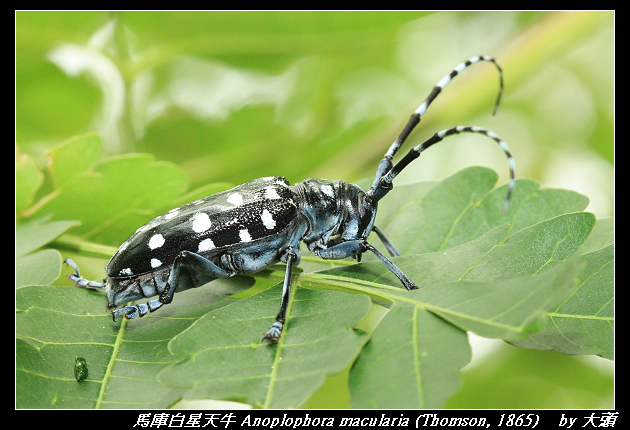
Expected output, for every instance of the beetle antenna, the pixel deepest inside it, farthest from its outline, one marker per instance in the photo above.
(385, 182)
(377, 191)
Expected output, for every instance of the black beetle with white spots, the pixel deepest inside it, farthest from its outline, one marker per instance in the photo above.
(261, 223)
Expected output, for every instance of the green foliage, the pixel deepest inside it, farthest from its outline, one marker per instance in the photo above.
(496, 274)
(125, 186)
(41, 267)
(584, 324)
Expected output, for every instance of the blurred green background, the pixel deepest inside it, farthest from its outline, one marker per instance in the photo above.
(231, 96)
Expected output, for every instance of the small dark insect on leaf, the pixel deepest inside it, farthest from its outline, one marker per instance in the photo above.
(80, 369)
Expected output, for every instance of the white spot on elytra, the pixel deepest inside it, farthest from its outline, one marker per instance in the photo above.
(236, 199)
(156, 241)
(126, 271)
(271, 193)
(155, 263)
(268, 220)
(201, 222)
(244, 235)
(206, 245)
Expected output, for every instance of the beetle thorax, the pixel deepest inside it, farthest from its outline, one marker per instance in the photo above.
(333, 209)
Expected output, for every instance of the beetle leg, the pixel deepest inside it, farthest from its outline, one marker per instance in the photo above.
(129, 311)
(388, 245)
(408, 283)
(190, 261)
(140, 309)
(355, 248)
(351, 248)
(79, 280)
(276, 329)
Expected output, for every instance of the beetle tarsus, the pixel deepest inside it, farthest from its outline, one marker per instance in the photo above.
(80, 280)
(273, 334)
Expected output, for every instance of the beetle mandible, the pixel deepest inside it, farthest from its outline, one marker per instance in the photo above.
(262, 222)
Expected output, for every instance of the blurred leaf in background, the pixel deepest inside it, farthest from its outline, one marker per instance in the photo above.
(230, 96)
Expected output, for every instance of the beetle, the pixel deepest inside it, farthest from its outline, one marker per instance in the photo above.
(262, 222)
(80, 368)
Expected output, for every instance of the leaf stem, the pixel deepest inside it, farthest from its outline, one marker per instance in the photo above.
(74, 243)
(110, 365)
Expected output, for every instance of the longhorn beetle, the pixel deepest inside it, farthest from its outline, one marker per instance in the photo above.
(257, 224)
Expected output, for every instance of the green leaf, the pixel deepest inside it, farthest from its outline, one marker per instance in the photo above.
(584, 324)
(225, 358)
(43, 267)
(463, 207)
(40, 268)
(55, 324)
(603, 234)
(28, 179)
(505, 309)
(412, 361)
(494, 256)
(517, 378)
(512, 289)
(37, 233)
(113, 197)
(508, 299)
(77, 155)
